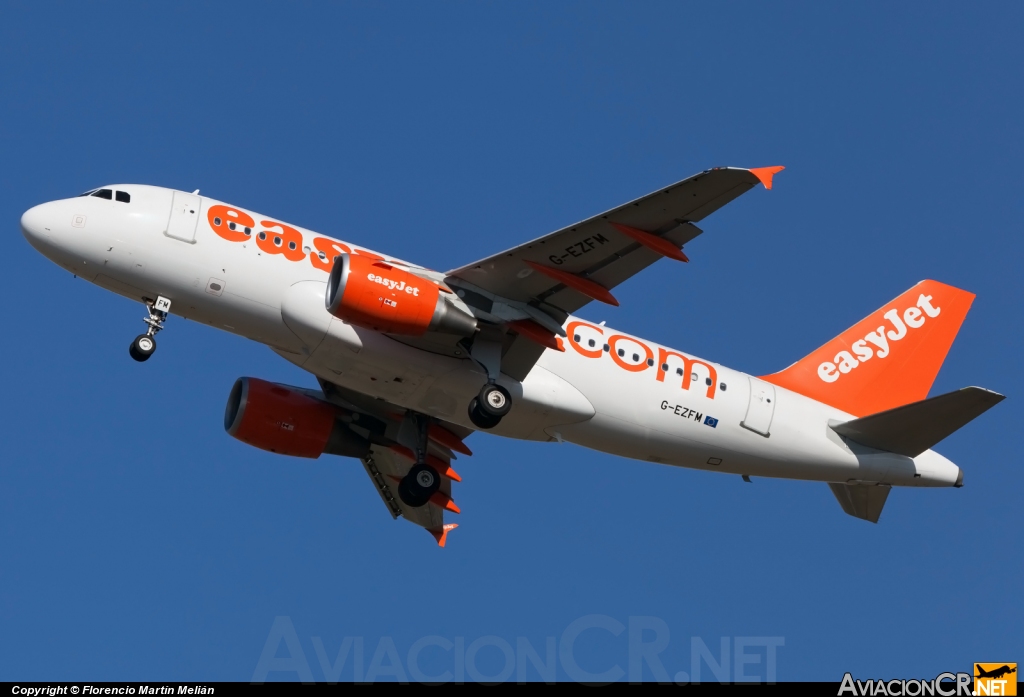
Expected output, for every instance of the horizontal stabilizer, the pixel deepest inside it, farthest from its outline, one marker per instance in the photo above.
(864, 501)
(913, 428)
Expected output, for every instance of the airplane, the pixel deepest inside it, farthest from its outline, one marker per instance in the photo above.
(410, 361)
(996, 672)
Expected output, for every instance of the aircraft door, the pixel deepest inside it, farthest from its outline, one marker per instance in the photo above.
(760, 408)
(184, 217)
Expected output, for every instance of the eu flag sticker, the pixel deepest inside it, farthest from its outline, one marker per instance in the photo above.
(710, 421)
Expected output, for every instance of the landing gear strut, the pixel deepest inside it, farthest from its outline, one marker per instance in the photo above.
(422, 481)
(494, 401)
(145, 344)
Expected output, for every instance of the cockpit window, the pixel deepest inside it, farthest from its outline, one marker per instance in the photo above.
(87, 193)
(104, 193)
(124, 197)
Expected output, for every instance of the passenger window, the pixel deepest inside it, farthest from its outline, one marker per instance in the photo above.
(722, 387)
(679, 371)
(707, 381)
(104, 193)
(621, 353)
(650, 362)
(591, 343)
(123, 197)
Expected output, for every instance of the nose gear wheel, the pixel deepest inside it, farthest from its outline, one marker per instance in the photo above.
(145, 344)
(142, 348)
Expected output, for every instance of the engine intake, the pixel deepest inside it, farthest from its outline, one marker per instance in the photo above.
(374, 294)
(284, 420)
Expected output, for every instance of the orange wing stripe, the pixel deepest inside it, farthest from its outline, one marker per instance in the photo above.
(534, 332)
(584, 285)
(443, 500)
(448, 439)
(658, 244)
(443, 468)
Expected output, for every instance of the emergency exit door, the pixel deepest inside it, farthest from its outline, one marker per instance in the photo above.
(184, 217)
(760, 408)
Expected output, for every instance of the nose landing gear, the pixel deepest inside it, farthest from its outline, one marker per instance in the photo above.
(144, 345)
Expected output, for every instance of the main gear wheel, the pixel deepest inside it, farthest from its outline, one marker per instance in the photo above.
(419, 485)
(487, 408)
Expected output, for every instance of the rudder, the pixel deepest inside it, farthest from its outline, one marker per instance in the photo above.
(888, 359)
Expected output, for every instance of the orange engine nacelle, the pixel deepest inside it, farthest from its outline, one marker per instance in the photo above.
(280, 419)
(374, 294)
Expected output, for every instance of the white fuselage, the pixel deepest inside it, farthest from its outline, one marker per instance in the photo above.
(690, 415)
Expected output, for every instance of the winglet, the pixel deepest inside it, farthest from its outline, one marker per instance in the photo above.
(442, 535)
(765, 174)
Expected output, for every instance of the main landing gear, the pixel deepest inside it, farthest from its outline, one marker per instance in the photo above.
(422, 481)
(145, 344)
(419, 485)
(487, 408)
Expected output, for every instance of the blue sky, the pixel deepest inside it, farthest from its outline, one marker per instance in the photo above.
(139, 541)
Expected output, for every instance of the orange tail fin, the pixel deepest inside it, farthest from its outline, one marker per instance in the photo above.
(886, 360)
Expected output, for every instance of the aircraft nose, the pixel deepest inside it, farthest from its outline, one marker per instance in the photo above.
(34, 223)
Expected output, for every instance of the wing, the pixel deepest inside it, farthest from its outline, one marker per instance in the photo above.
(386, 468)
(606, 250)
(393, 438)
(527, 292)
